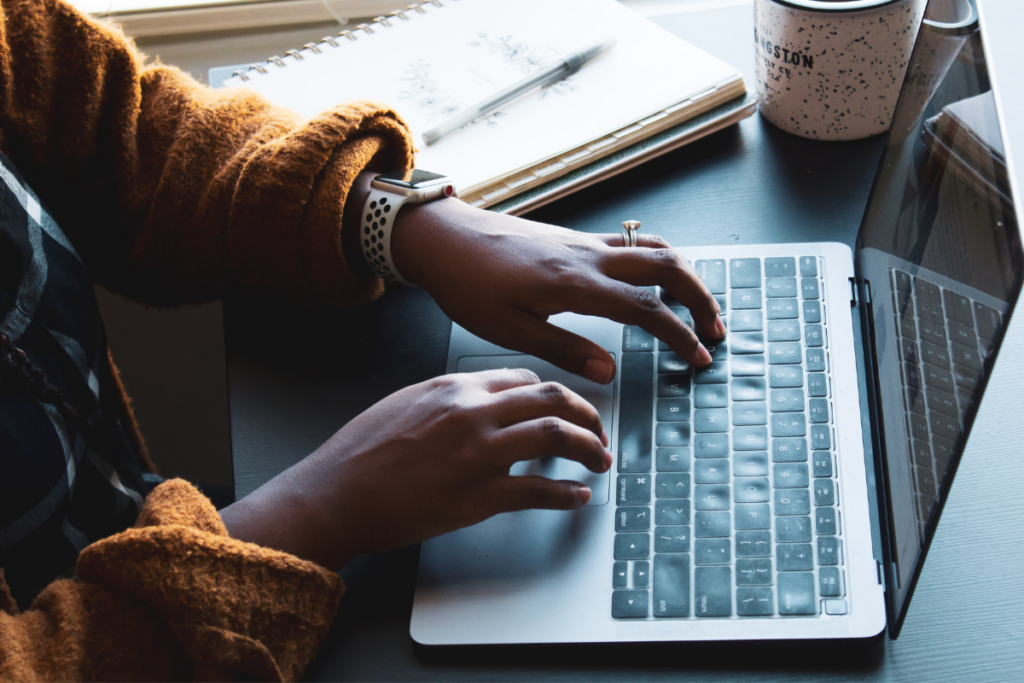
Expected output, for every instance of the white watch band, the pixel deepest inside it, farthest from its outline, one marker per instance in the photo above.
(378, 219)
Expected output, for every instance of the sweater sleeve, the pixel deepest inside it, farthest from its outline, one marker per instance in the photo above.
(173, 192)
(171, 599)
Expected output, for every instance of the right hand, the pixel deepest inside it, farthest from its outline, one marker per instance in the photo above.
(429, 459)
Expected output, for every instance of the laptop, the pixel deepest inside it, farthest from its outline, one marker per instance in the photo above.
(791, 489)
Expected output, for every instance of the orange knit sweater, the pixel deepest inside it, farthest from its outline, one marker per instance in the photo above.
(175, 193)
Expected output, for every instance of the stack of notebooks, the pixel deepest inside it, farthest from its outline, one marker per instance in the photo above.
(651, 93)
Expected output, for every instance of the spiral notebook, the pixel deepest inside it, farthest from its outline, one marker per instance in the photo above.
(433, 59)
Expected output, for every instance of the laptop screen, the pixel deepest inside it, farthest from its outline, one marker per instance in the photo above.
(941, 250)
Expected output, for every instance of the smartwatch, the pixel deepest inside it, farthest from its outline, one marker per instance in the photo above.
(388, 193)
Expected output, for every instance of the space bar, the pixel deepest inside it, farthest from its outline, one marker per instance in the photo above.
(636, 412)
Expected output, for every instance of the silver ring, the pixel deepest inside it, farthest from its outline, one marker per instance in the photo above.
(629, 233)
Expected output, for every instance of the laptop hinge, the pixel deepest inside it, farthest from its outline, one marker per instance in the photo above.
(854, 299)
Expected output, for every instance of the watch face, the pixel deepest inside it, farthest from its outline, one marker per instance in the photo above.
(411, 179)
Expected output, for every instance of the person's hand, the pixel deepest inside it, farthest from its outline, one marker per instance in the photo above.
(429, 459)
(502, 277)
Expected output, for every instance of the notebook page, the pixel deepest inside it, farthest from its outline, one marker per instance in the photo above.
(438, 62)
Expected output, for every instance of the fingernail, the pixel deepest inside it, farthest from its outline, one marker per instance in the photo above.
(604, 438)
(598, 371)
(720, 326)
(703, 357)
(583, 495)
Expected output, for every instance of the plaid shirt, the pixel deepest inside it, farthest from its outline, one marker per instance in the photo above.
(59, 491)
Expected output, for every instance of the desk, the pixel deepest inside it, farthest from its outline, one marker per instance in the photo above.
(746, 185)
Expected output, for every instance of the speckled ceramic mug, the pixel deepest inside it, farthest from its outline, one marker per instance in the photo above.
(832, 69)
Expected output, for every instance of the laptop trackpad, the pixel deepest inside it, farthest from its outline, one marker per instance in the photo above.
(600, 396)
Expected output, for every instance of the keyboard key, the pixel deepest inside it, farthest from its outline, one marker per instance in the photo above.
(958, 308)
(817, 410)
(713, 373)
(944, 426)
(710, 551)
(750, 438)
(812, 312)
(826, 523)
(673, 409)
(787, 400)
(709, 497)
(794, 557)
(754, 544)
(719, 350)
(793, 502)
(942, 402)
(824, 492)
(783, 330)
(837, 607)
(746, 321)
(712, 272)
(683, 314)
(755, 602)
(636, 339)
(632, 546)
(830, 582)
(967, 357)
(629, 604)
(938, 378)
(926, 482)
(750, 413)
(641, 574)
(962, 335)
(753, 515)
(672, 512)
(632, 519)
(750, 464)
(815, 360)
(783, 309)
(817, 384)
(672, 485)
(745, 272)
(633, 489)
(673, 433)
(619, 577)
(821, 464)
(743, 299)
(918, 426)
(713, 420)
(966, 400)
(669, 386)
(943, 449)
(713, 524)
(789, 450)
(714, 471)
(814, 335)
(673, 459)
(635, 412)
(790, 476)
(723, 305)
(784, 266)
(989, 322)
(926, 290)
(912, 376)
(748, 388)
(780, 287)
(915, 401)
(910, 352)
(784, 353)
(820, 437)
(747, 366)
(711, 446)
(751, 489)
(789, 424)
(908, 328)
(830, 550)
(747, 342)
(753, 572)
(672, 585)
(671, 539)
(669, 362)
(809, 288)
(712, 589)
(922, 453)
(710, 396)
(931, 333)
(902, 281)
(809, 266)
(793, 529)
(968, 379)
(929, 311)
(797, 594)
(783, 376)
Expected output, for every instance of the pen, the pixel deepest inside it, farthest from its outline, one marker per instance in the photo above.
(570, 65)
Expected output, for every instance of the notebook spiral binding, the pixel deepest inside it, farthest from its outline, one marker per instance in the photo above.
(332, 41)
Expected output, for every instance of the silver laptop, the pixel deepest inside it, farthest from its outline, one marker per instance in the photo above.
(791, 489)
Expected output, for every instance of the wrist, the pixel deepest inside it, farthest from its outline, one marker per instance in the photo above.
(419, 230)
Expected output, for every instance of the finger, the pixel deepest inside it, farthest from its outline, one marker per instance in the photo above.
(501, 379)
(510, 494)
(559, 347)
(525, 403)
(666, 268)
(645, 240)
(549, 437)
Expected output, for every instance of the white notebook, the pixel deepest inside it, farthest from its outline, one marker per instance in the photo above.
(432, 60)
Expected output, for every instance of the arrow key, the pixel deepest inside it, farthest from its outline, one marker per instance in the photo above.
(629, 604)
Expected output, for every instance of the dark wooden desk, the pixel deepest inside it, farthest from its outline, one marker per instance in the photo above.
(291, 389)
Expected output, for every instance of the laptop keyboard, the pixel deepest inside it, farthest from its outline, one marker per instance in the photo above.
(944, 339)
(726, 493)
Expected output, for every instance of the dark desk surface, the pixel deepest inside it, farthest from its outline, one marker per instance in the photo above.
(291, 389)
